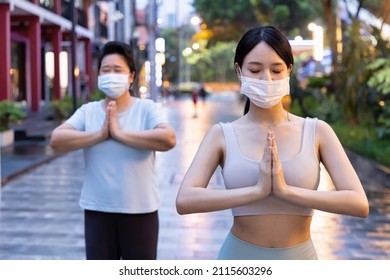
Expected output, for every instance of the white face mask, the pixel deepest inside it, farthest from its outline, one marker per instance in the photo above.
(113, 85)
(265, 94)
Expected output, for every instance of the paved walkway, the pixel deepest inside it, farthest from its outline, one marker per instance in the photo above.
(41, 218)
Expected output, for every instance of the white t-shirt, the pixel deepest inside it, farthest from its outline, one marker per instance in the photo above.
(119, 178)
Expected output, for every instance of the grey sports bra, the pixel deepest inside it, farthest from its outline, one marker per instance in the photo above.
(303, 170)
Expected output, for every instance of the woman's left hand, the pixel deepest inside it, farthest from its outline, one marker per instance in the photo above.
(279, 185)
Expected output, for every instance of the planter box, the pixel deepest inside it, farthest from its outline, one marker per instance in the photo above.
(7, 138)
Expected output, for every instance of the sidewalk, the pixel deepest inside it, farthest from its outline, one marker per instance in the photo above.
(41, 218)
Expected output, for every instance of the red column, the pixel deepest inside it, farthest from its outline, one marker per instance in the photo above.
(5, 52)
(57, 7)
(56, 41)
(35, 58)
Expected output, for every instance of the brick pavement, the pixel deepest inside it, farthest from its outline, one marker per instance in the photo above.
(41, 219)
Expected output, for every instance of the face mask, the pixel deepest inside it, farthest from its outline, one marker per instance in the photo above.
(265, 94)
(113, 85)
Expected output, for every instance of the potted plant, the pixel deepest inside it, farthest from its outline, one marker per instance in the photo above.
(9, 112)
(62, 109)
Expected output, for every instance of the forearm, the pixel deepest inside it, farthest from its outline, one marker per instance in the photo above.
(159, 139)
(198, 200)
(345, 202)
(65, 140)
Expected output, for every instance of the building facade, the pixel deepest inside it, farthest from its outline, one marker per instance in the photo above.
(50, 44)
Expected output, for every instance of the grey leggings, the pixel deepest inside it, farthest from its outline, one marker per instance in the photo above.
(236, 249)
(113, 236)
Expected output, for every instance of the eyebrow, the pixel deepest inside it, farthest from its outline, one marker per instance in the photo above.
(110, 66)
(258, 63)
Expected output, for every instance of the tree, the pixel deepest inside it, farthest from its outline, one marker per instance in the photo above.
(226, 19)
(283, 13)
(229, 19)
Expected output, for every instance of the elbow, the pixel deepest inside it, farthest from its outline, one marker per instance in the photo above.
(169, 142)
(182, 206)
(56, 145)
(364, 210)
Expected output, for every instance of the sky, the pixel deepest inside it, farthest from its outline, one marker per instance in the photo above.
(168, 7)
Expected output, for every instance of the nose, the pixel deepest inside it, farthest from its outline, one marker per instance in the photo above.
(266, 75)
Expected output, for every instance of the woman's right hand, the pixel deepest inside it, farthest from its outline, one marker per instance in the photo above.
(265, 168)
(105, 131)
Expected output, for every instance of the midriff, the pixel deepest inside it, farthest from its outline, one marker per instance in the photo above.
(272, 231)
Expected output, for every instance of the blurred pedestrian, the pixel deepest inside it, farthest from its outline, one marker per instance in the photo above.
(119, 135)
(203, 93)
(194, 96)
(270, 162)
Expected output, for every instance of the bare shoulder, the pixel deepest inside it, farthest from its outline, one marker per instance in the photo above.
(324, 130)
(214, 133)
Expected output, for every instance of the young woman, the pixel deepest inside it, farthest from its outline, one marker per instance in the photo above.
(270, 162)
(119, 135)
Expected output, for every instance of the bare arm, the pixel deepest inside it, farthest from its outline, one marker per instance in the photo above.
(66, 138)
(349, 197)
(194, 197)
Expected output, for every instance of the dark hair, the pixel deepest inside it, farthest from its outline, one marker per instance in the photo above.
(273, 37)
(123, 49)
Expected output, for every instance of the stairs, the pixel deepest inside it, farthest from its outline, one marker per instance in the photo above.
(36, 127)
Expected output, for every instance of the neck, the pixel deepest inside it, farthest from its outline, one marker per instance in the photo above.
(122, 102)
(267, 118)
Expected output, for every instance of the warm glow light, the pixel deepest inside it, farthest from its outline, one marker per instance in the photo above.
(195, 20)
(64, 69)
(76, 71)
(49, 64)
(143, 89)
(298, 38)
(160, 58)
(160, 45)
(187, 51)
(195, 46)
(311, 26)
(318, 38)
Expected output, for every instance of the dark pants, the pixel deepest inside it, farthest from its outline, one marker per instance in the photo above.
(113, 236)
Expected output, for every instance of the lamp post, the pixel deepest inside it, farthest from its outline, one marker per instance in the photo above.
(152, 49)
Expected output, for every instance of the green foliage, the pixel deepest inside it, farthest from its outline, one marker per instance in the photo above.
(97, 95)
(383, 123)
(363, 141)
(227, 19)
(282, 13)
(318, 82)
(62, 109)
(354, 92)
(204, 60)
(359, 138)
(10, 112)
(380, 78)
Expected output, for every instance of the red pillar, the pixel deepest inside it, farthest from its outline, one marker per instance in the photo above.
(35, 58)
(56, 41)
(57, 7)
(5, 52)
